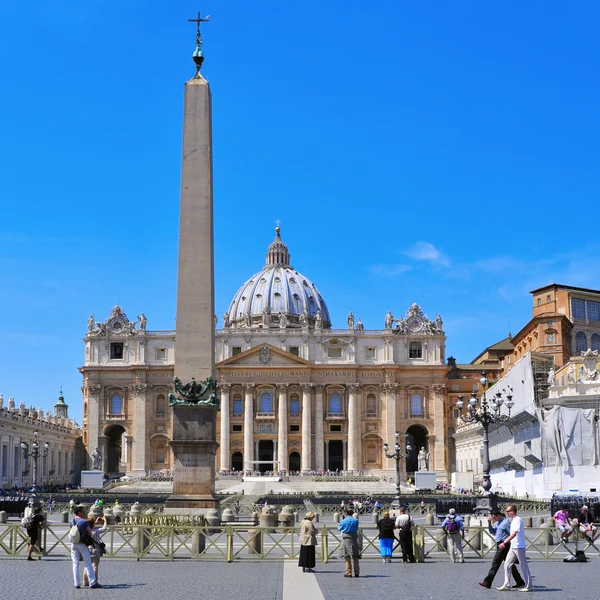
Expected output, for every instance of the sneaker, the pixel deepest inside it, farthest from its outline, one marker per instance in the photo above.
(29, 558)
(385, 560)
(485, 585)
(526, 590)
(346, 575)
(96, 585)
(356, 575)
(503, 588)
(77, 587)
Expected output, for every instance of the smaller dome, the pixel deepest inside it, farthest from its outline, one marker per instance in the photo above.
(277, 296)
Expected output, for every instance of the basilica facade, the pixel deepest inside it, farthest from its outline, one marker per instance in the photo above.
(296, 394)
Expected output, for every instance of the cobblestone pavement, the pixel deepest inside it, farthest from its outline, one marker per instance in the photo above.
(51, 579)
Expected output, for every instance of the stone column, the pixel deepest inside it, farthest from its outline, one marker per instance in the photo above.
(326, 454)
(275, 455)
(283, 425)
(344, 455)
(437, 443)
(93, 408)
(140, 436)
(256, 456)
(306, 431)
(319, 460)
(352, 426)
(224, 450)
(391, 425)
(248, 426)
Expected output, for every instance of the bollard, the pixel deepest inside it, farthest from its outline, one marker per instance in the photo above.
(336, 517)
(548, 536)
(3, 516)
(119, 512)
(528, 521)
(268, 519)
(285, 519)
(429, 520)
(213, 518)
(317, 517)
(228, 516)
(198, 542)
(537, 521)
(255, 518)
(254, 541)
(296, 516)
(65, 516)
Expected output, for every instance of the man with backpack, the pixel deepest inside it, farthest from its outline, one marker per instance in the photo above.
(32, 525)
(454, 528)
(80, 536)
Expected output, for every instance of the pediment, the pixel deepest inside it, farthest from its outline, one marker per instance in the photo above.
(264, 355)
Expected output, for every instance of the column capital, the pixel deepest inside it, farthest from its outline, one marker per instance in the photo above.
(282, 387)
(319, 388)
(139, 388)
(92, 388)
(225, 387)
(439, 388)
(249, 387)
(306, 386)
(352, 387)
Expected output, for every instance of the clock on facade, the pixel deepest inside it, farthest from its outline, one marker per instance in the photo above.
(415, 324)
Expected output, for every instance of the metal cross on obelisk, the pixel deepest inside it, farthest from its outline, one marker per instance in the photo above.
(198, 55)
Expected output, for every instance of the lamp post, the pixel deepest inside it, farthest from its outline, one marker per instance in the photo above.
(397, 456)
(485, 412)
(35, 453)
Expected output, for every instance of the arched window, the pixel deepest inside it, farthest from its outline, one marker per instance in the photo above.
(116, 405)
(596, 341)
(416, 405)
(294, 404)
(161, 403)
(371, 404)
(580, 342)
(266, 402)
(335, 403)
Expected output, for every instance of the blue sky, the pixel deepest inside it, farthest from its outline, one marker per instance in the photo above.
(440, 153)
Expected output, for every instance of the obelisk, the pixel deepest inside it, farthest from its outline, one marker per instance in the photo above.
(193, 416)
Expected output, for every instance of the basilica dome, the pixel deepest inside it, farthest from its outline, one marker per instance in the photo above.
(278, 296)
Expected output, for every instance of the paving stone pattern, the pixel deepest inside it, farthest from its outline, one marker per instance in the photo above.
(51, 579)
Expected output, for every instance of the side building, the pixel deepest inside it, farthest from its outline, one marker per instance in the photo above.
(59, 462)
(296, 395)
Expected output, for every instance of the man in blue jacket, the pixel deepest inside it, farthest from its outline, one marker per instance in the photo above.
(455, 530)
(499, 526)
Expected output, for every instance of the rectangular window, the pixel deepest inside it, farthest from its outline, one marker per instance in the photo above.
(116, 351)
(334, 352)
(415, 350)
(161, 455)
(294, 406)
(578, 308)
(370, 353)
(475, 387)
(508, 360)
(550, 339)
(539, 301)
(294, 428)
(295, 350)
(237, 429)
(236, 350)
(455, 388)
(161, 354)
(335, 428)
(548, 299)
(593, 311)
(237, 407)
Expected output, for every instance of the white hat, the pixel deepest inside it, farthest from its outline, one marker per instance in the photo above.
(584, 507)
(452, 511)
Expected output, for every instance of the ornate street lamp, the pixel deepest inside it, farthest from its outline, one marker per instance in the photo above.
(486, 411)
(35, 453)
(397, 456)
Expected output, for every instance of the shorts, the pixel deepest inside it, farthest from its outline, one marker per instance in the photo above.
(564, 527)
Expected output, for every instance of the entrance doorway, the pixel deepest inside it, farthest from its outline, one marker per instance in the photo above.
(114, 437)
(237, 461)
(265, 452)
(336, 455)
(416, 436)
(294, 461)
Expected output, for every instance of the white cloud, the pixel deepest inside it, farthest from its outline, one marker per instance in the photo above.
(389, 270)
(426, 251)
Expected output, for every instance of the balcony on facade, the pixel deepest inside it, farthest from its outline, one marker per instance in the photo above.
(336, 416)
(265, 416)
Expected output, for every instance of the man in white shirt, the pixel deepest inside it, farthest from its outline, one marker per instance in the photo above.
(517, 542)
